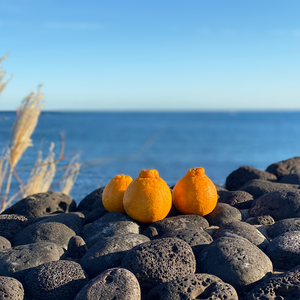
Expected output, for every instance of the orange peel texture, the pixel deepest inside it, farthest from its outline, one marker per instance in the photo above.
(148, 198)
(113, 193)
(195, 193)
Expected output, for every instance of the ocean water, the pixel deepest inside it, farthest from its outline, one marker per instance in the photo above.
(124, 143)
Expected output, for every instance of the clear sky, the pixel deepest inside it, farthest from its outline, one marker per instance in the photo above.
(152, 54)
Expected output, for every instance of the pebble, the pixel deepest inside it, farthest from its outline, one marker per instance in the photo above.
(247, 248)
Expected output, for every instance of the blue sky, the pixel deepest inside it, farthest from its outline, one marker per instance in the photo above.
(152, 55)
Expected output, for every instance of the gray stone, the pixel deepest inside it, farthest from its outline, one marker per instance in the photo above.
(258, 188)
(197, 239)
(157, 229)
(11, 289)
(55, 280)
(16, 262)
(236, 261)
(284, 250)
(194, 286)
(282, 226)
(238, 199)
(94, 215)
(244, 230)
(160, 261)
(291, 179)
(285, 286)
(76, 247)
(242, 175)
(261, 220)
(12, 224)
(222, 214)
(71, 220)
(4, 243)
(87, 202)
(279, 205)
(109, 253)
(114, 284)
(54, 232)
(38, 205)
(285, 167)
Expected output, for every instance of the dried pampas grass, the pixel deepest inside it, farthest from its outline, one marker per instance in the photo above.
(2, 74)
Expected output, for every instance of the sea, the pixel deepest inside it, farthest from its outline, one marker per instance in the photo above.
(111, 143)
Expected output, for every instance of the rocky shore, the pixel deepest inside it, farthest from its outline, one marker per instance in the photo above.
(248, 248)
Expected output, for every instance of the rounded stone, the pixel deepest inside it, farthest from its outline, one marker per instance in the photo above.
(197, 239)
(194, 286)
(239, 177)
(17, 261)
(76, 247)
(238, 199)
(282, 226)
(87, 202)
(159, 261)
(284, 250)
(258, 187)
(55, 280)
(11, 289)
(244, 230)
(38, 205)
(222, 214)
(114, 283)
(279, 205)
(4, 243)
(71, 220)
(10, 225)
(291, 178)
(236, 261)
(54, 232)
(285, 286)
(285, 167)
(157, 229)
(109, 253)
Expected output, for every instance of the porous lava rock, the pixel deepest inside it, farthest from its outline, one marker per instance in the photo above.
(159, 261)
(258, 188)
(279, 205)
(4, 243)
(284, 250)
(110, 224)
(16, 262)
(55, 280)
(87, 202)
(196, 238)
(244, 230)
(114, 283)
(291, 179)
(109, 253)
(236, 261)
(12, 224)
(238, 199)
(194, 286)
(157, 229)
(57, 233)
(285, 167)
(11, 289)
(285, 286)
(282, 226)
(222, 214)
(40, 204)
(94, 215)
(261, 220)
(76, 247)
(71, 220)
(239, 177)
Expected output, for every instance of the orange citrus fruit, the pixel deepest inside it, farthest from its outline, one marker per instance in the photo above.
(148, 198)
(113, 193)
(195, 193)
